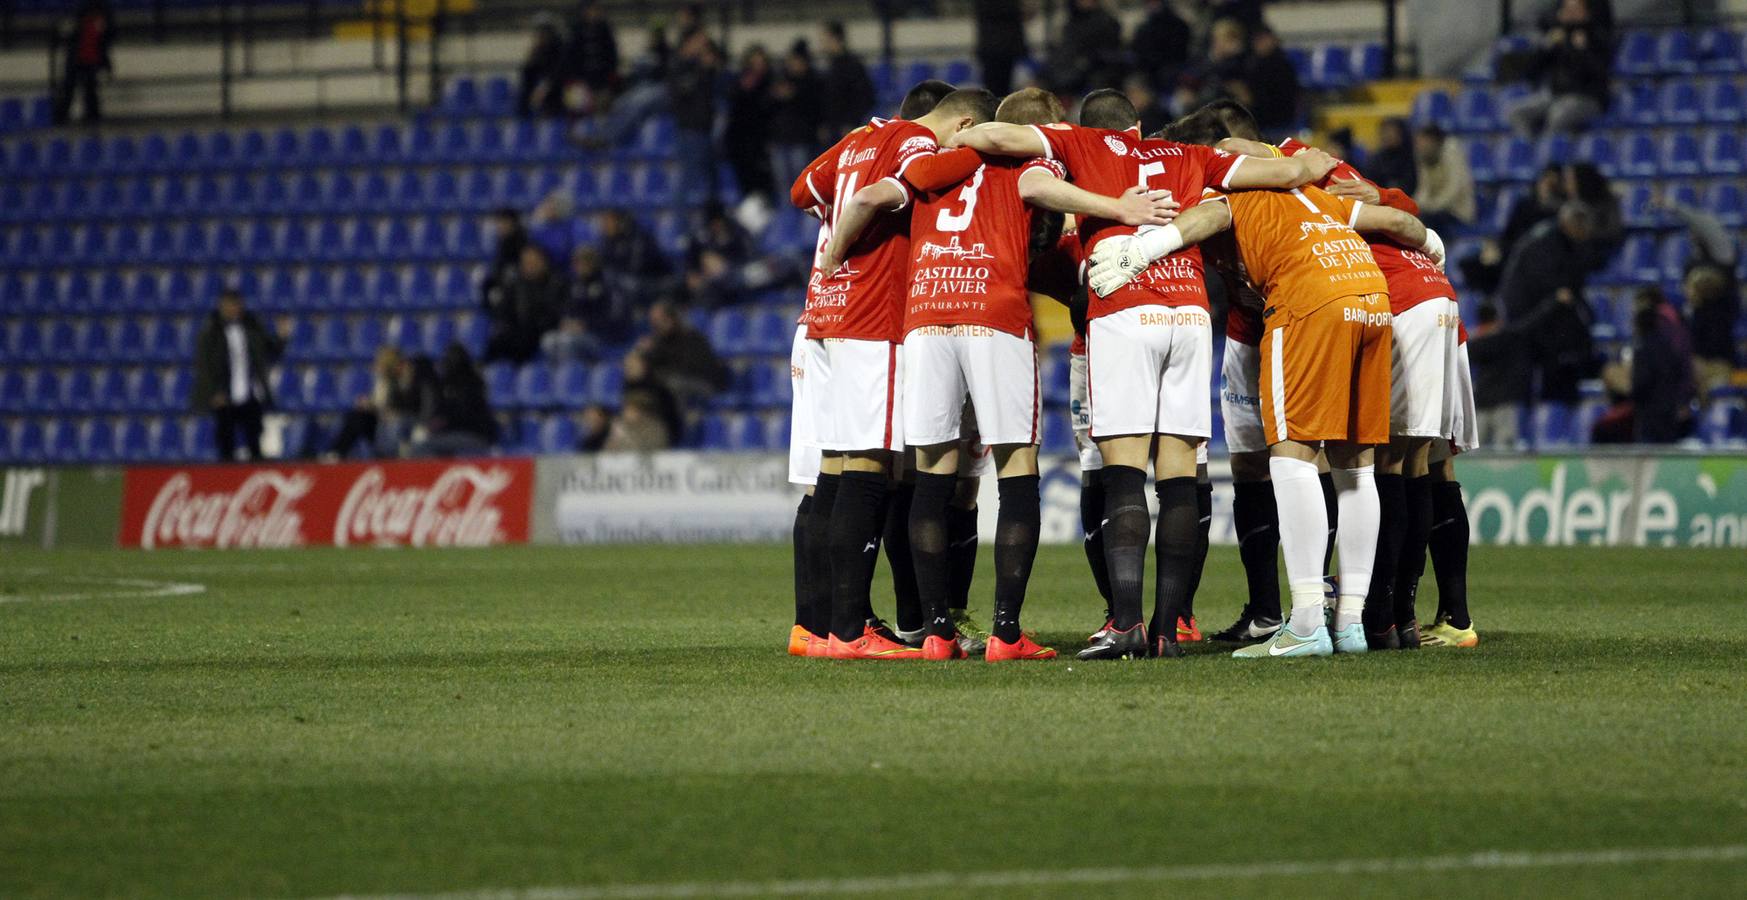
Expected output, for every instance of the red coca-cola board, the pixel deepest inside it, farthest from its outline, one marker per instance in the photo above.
(455, 503)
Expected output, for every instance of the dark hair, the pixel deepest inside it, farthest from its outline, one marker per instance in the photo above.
(1592, 186)
(1202, 126)
(977, 103)
(507, 212)
(1030, 106)
(921, 99)
(835, 29)
(230, 295)
(1237, 118)
(1487, 314)
(1108, 108)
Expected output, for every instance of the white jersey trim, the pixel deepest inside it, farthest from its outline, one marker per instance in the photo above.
(1226, 181)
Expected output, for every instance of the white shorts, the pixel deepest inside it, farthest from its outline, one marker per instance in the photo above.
(858, 405)
(1240, 397)
(1422, 397)
(1080, 414)
(1147, 372)
(996, 370)
(1465, 422)
(806, 364)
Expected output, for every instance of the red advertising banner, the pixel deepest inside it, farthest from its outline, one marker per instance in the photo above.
(450, 503)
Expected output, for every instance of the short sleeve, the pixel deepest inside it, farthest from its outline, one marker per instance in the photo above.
(1052, 166)
(918, 142)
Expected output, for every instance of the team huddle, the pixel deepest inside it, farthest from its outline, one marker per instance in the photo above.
(1344, 384)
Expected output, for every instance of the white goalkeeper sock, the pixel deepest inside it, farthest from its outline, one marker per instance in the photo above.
(1303, 537)
(1360, 516)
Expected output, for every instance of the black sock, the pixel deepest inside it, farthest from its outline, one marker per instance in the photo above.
(961, 537)
(856, 524)
(1331, 502)
(819, 554)
(1391, 515)
(1449, 551)
(1092, 527)
(1016, 527)
(930, 545)
(1203, 534)
(1410, 562)
(1175, 550)
(803, 593)
(897, 540)
(1126, 523)
(1257, 521)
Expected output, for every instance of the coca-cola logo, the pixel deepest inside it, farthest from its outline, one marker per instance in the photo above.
(261, 512)
(458, 509)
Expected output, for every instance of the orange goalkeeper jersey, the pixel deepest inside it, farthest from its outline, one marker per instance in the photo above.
(1299, 250)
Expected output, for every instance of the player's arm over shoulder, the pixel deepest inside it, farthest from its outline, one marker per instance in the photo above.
(1002, 139)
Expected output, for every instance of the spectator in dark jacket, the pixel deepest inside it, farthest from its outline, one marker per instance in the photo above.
(527, 308)
(1548, 267)
(633, 263)
(233, 355)
(1221, 72)
(1713, 297)
(1273, 84)
(1570, 70)
(692, 87)
(1000, 41)
(1538, 205)
(1090, 54)
(85, 51)
(1585, 183)
(543, 72)
(794, 118)
(403, 393)
(1391, 164)
(461, 422)
(1655, 386)
(647, 401)
(746, 137)
(1160, 48)
(846, 91)
(588, 315)
(593, 50)
(511, 237)
(680, 356)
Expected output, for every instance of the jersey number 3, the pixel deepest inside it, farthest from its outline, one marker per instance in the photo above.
(959, 221)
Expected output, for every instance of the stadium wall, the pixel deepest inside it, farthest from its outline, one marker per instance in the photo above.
(1610, 499)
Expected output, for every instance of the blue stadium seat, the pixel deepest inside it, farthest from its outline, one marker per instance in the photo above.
(112, 391)
(133, 441)
(178, 388)
(1674, 253)
(570, 385)
(123, 156)
(29, 443)
(197, 442)
(1058, 434)
(1681, 155)
(469, 241)
(480, 192)
(286, 149)
(772, 332)
(1719, 50)
(319, 147)
(607, 384)
(1434, 106)
(1640, 157)
(558, 435)
(729, 331)
(1636, 54)
(1370, 63)
(79, 391)
(534, 386)
(472, 333)
(497, 97)
(1722, 153)
(1598, 147)
(63, 342)
(145, 391)
(410, 336)
(440, 332)
(1518, 161)
(1636, 103)
(97, 441)
(1554, 425)
(63, 441)
(1675, 53)
(500, 384)
(288, 389)
(1331, 66)
(13, 396)
(321, 390)
(163, 344)
(747, 433)
(333, 339)
(460, 97)
(1638, 259)
(1679, 103)
(713, 432)
(165, 441)
(442, 192)
(94, 343)
(1725, 201)
(1722, 102)
(388, 145)
(354, 146)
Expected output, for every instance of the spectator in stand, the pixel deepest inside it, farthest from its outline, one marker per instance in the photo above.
(794, 120)
(1160, 49)
(510, 237)
(1090, 54)
(1547, 268)
(1503, 379)
(846, 92)
(1000, 41)
(232, 357)
(644, 97)
(1585, 183)
(680, 356)
(1713, 297)
(553, 224)
(593, 52)
(1540, 204)
(746, 136)
(588, 313)
(1272, 83)
(461, 423)
(1654, 387)
(542, 88)
(714, 254)
(527, 308)
(656, 406)
(691, 96)
(1445, 183)
(593, 428)
(632, 262)
(1218, 74)
(1570, 70)
(403, 393)
(1147, 102)
(85, 55)
(1391, 164)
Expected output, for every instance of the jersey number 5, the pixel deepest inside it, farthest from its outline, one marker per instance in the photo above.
(959, 221)
(1148, 170)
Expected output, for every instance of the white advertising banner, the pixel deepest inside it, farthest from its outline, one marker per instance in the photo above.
(664, 498)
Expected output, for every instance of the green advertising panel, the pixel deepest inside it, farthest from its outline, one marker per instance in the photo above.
(1603, 500)
(45, 506)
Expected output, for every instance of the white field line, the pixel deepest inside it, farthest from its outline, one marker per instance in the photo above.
(103, 587)
(982, 881)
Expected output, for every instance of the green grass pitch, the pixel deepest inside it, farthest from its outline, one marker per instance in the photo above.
(328, 722)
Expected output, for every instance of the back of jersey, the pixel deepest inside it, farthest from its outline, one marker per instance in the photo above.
(871, 307)
(969, 248)
(1299, 249)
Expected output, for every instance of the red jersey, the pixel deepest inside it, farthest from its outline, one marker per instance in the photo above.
(1110, 162)
(969, 250)
(1413, 277)
(870, 307)
(1243, 323)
